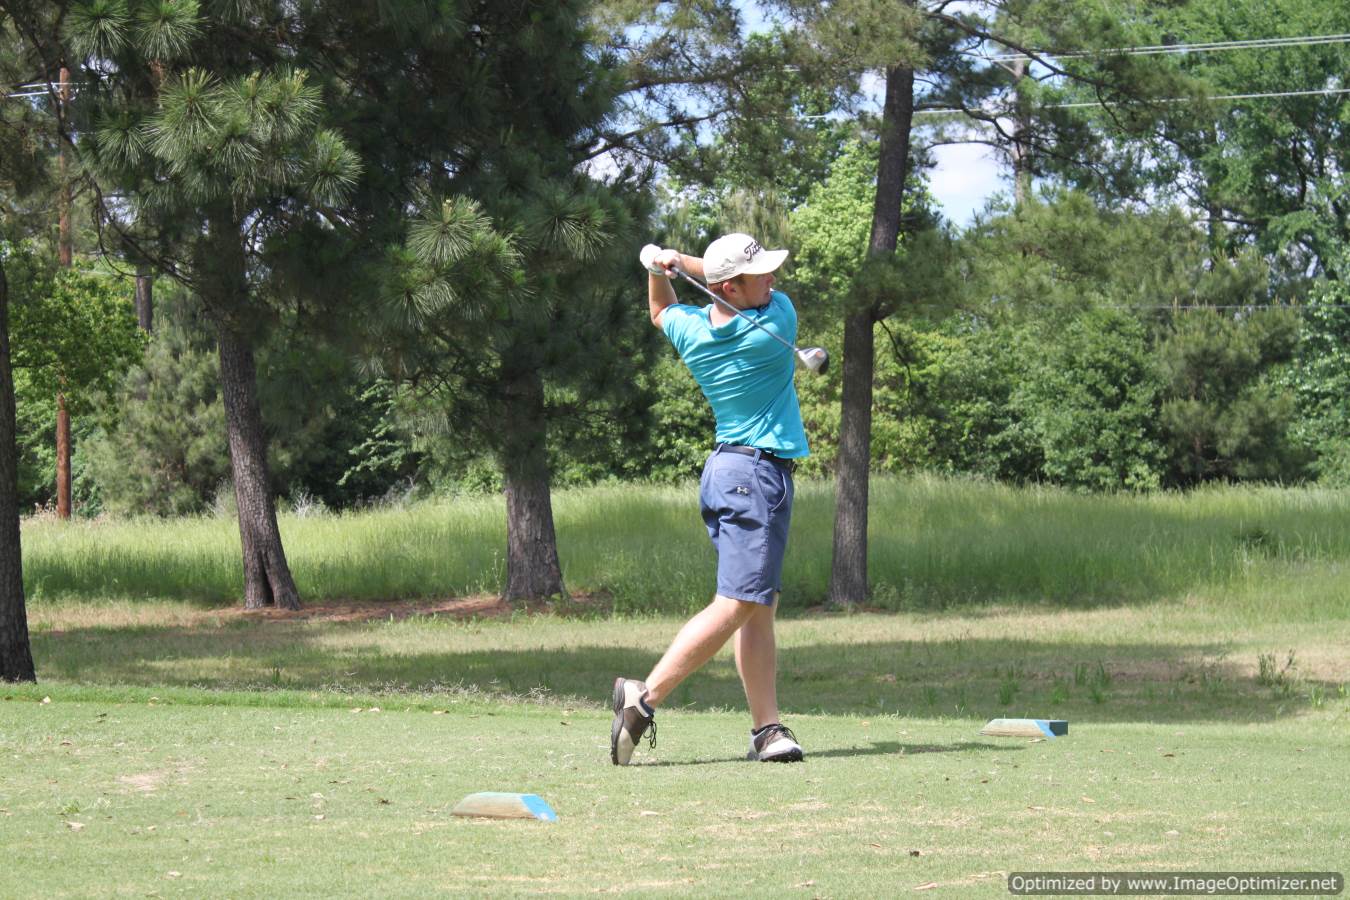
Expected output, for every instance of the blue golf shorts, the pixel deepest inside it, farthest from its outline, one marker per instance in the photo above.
(747, 506)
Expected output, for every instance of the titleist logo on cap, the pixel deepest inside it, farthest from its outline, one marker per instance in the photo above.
(739, 254)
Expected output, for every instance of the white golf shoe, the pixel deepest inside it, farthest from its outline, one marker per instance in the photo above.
(774, 743)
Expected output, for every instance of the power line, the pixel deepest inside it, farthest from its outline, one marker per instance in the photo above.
(1310, 40)
(41, 88)
(950, 110)
(1324, 92)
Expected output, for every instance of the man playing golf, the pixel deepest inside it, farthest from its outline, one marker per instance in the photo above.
(746, 489)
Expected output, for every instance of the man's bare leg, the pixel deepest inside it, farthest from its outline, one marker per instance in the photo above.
(757, 661)
(698, 641)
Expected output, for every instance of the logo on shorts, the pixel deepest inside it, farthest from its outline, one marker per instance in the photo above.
(742, 489)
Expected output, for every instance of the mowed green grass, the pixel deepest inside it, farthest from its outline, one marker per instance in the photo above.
(1197, 645)
(219, 754)
(141, 797)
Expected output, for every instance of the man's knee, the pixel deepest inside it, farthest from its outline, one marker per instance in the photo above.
(739, 610)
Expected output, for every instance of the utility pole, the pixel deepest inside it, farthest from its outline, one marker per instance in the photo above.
(65, 251)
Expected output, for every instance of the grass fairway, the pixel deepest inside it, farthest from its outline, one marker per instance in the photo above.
(192, 752)
(1196, 643)
(138, 798)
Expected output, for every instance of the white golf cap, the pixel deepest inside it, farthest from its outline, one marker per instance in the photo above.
(738, 254)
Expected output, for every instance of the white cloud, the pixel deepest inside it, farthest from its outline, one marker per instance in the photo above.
(964, 177)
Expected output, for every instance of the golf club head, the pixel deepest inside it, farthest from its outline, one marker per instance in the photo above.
(814, 359)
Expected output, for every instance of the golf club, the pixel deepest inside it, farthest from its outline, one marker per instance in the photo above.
(813, 359)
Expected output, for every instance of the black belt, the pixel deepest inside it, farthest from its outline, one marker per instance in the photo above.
(788, 464)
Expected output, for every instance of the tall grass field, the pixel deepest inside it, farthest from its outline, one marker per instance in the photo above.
(934, 544)
(176, 746)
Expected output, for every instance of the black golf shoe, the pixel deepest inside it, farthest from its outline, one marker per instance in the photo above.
(631, 721)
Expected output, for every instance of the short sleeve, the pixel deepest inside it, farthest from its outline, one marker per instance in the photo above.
(785, 315)
(677, 321)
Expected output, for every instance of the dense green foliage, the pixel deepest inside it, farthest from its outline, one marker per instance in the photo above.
(437, 262)
(1320, 381)
(73, 333)
(161, 448)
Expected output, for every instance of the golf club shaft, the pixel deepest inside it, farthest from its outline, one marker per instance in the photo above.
(711, 293)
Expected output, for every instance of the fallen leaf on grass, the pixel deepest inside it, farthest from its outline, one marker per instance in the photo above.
(805, 884)
(926, 886)
(175, 874)
(1172, 832)
(65, 743)
(1036, 808)
(74, 826)
(649, 812)
(1173, 755)
(914, 853)
(1087, 799)
(46, 699)
(319, 818)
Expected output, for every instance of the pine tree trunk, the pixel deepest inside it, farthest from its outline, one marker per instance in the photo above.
(848, 575)
(848, 571)
(533, 571)
(221, 267)
(1021, 152)
(267, 577)
(145, 299)
(16, 656)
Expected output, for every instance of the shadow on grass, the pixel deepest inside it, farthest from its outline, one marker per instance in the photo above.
(966, 678)
(877, 748)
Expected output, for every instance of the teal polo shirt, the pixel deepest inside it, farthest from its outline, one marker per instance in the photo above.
(745, 374)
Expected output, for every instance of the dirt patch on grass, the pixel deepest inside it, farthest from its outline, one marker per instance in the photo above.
(149, 782)
(145, 783)
(478, 606)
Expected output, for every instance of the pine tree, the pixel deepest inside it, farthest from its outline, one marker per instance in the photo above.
(25, 147)
(209, 135)
(512, 315)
